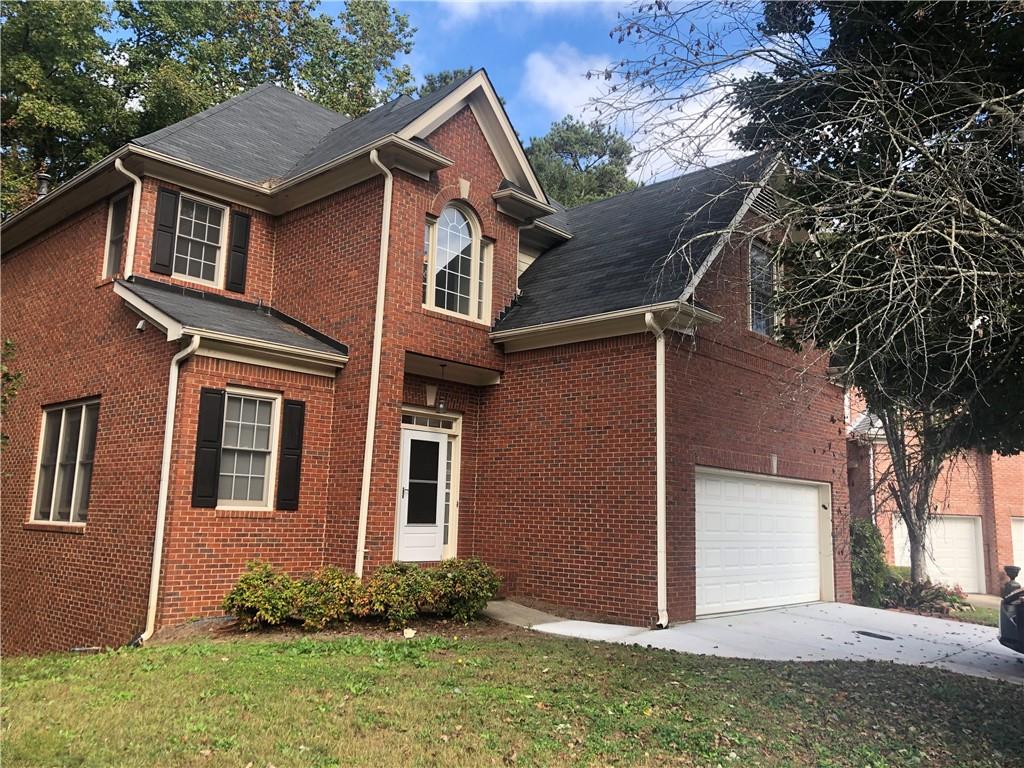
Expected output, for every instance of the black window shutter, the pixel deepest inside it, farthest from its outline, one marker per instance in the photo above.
(162, 261)
(238, 252)
(205, 476)
(290, 464)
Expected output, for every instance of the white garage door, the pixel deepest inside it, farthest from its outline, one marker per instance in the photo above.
(758, 543)
(954, 550)
(1017, 526)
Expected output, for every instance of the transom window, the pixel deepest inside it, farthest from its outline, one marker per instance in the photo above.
(198, 242)
(456, 265)
(246, 448)
(762, 290)
(65, 463)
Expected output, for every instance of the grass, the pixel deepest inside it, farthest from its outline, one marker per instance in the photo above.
(512, 699)
(980, 614)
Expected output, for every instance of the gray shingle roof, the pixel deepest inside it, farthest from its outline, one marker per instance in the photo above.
(385, 119)
(624, 250)
(257, 136)
(268, 135)
(219, 314)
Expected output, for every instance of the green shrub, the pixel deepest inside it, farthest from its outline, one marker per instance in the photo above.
(867, 563)
(397, 592)
(462, 588)
(901, 572)
(329, 596)
(262, 597)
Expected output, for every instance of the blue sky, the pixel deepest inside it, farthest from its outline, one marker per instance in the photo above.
(536, 52)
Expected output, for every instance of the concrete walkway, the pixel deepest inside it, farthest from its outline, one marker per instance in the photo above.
(814, 632)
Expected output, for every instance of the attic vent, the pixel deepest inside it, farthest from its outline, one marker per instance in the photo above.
(765, 204)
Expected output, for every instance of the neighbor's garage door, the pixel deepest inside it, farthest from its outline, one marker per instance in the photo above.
(954, 550)
(758, 543)
(1017, 528)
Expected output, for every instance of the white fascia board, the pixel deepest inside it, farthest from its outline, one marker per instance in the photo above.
(479, 94)
(147, 311)
(338, 360)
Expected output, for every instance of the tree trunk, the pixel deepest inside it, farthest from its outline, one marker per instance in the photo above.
(918, 556)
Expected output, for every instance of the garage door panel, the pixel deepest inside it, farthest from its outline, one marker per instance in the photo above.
(1017, 529)
(769, 556)
(954, 550)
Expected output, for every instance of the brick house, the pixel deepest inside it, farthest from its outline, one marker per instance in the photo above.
(979, 517)
(269, 331)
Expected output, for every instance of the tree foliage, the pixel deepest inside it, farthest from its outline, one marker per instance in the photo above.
(900, 131)
(435, 81)
(10, 382)
(579, 162)
(70, 96)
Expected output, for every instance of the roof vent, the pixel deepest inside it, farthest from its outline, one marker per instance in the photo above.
(42, 184)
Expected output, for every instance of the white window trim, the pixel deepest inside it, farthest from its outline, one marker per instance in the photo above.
(750, 285)
(480, 245)
(270, 484)
(60, 444)
(104, 275)
(450, 549)
(220, 268)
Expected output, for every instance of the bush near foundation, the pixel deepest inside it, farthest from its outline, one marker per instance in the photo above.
(395, 593)
(867, 563)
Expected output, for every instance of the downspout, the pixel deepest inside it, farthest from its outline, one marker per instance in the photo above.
(165, 475)
(661, 496)
(378, 332)
(133, 221)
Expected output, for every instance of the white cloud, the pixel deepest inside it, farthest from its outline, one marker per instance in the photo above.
(467, 11)
(557, 80)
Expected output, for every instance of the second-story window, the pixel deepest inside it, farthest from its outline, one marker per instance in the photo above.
(762, 290)
(456, 275)
(117, 215)
(197, 245)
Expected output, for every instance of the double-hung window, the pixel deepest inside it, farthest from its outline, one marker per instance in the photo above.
(456, 265)
(762, 290)
(116, 224)
(64, 476)
(198, 240)
(246, 450)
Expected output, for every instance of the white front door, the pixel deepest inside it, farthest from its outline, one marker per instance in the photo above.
(421, 491)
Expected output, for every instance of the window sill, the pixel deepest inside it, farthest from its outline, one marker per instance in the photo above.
(455, 316)
(244, 514)
(40, 525)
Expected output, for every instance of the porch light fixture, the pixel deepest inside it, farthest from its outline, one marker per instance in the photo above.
(441, 407)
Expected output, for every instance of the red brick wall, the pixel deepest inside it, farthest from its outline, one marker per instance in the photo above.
(259, 277)
(74, 339)
(566, 478)
(735, 398)
(409, 327)
(205, 550)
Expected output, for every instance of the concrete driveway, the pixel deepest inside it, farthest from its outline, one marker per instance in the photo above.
(814, 632)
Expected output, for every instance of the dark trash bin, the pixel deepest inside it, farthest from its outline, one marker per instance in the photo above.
(1011, 612)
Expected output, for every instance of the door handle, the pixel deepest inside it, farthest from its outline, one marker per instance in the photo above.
(404, 491)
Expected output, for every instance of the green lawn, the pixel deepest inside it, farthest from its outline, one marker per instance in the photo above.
(981, 614)
(508, 699)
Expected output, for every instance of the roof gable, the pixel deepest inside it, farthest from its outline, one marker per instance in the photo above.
(625, 250)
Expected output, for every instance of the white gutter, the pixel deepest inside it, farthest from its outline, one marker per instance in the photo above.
(133, 222)
(378, 332)
(165, 475)
(661, 496)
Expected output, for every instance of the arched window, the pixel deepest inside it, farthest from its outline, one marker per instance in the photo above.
(456, 265)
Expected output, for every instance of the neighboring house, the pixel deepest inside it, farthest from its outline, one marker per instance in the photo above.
(270, 332)
(979, 521)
